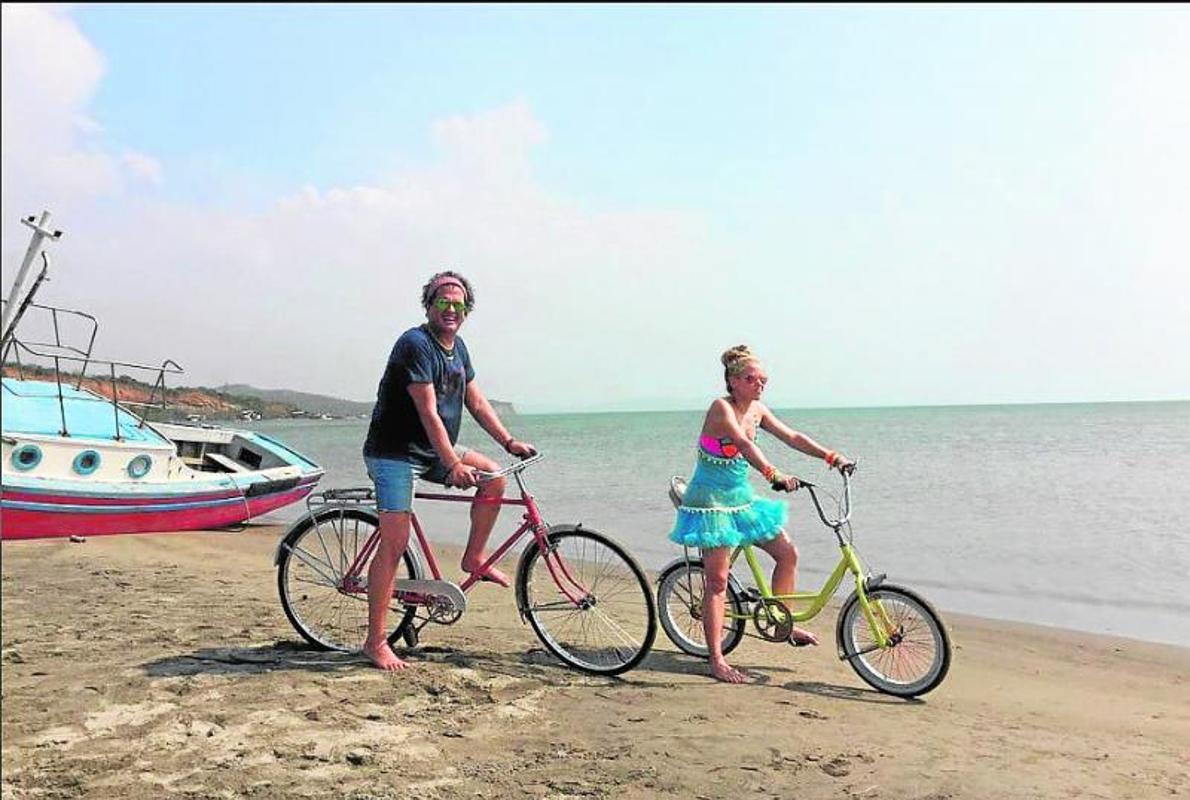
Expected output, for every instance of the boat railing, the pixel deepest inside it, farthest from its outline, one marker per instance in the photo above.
(61, 355)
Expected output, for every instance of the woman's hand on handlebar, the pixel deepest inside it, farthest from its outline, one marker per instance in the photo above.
(844, 464)
(786, 483)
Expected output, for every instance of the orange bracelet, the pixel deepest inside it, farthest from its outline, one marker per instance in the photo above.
(830, 456)
(769, 473)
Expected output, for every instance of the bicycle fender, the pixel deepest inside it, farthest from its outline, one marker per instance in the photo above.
(870, 583)
(308, 516)
(522, 568)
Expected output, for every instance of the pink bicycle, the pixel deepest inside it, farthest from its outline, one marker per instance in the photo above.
(585, 597)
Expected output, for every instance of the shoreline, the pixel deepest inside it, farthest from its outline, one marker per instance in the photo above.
(161, 664)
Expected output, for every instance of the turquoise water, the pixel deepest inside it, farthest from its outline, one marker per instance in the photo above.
(1076, 516)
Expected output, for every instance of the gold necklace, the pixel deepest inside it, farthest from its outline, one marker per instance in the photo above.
(449, 352)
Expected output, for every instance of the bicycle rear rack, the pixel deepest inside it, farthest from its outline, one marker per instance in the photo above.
(341, 497)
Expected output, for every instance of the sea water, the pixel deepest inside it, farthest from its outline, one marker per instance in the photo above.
(1075, 516)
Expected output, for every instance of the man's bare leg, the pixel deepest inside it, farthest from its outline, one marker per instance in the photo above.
(483, 520)
(394, 536)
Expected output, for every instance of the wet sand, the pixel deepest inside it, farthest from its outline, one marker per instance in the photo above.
(162, 666)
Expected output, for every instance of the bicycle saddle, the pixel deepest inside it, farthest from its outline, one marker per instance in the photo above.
(677, 489)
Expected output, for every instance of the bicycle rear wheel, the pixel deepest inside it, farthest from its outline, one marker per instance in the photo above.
(588, 601)
(313, 558)
(918, 659)
(679, 604)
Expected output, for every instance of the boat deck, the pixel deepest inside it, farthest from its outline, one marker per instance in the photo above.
(31, 407)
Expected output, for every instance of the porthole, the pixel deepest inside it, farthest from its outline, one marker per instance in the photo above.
(87, 462)
(26, 457)
(139, 467)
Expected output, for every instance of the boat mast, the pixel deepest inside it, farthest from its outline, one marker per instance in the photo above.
(40, 233)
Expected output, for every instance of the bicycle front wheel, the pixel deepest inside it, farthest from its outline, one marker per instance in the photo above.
(588, 601)
(919, 657)
(329, 612)
(679, 603)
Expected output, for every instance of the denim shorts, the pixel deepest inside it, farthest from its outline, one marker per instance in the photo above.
(394, 477)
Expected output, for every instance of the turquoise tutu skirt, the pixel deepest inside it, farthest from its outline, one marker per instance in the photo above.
(720, 509)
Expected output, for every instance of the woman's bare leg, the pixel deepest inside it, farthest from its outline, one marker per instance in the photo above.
(785, 554)
(716, 564)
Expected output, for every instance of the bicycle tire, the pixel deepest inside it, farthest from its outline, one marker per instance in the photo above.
(900, 670)
(324, 615)
(681, 585)
(615, 584)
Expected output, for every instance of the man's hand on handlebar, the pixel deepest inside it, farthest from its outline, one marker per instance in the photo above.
(521, 449)
(844, 464)
(461, 476)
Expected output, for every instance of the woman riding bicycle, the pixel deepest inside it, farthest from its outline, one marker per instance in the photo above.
(720, 512)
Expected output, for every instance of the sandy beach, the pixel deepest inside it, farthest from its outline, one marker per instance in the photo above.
(162, 666)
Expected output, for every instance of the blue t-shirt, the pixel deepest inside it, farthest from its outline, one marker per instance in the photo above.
(396, 430)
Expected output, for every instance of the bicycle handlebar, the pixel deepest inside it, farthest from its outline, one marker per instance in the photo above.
(511, 469)
(846, 500)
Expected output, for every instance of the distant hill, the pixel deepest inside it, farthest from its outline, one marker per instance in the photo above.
(310, 403)
(324, 404)
(233, 401)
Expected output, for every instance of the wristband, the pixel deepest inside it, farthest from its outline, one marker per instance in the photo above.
(830, 456)
(770, 473)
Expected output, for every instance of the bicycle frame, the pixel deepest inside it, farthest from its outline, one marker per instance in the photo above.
(849, 562)
(531, 522)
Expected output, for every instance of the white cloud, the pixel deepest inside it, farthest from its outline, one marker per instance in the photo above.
(146, 168)
(576, 308)
(53, 156)
(311, 292)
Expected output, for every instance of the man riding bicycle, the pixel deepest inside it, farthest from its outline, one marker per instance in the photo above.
(414, 433)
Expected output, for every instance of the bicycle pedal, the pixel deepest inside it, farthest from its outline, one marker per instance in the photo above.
(750, 595)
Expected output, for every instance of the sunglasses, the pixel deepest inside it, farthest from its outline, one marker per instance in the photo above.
(458, 306)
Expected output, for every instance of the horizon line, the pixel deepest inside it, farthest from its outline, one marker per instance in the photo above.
(551, 412)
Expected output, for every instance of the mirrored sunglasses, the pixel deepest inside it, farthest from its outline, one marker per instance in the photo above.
(459, 306)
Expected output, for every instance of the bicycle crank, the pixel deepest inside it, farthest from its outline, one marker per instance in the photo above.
(443, 596)
(773, 620)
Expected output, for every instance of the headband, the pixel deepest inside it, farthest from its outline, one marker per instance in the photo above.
(447, 280)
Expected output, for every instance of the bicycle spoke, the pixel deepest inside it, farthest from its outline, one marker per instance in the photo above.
(609, 628)
(311, 579)
(915, 658)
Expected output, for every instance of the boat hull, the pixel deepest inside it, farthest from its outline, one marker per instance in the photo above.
(28, 514)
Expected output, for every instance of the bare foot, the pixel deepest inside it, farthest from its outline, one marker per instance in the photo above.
(727, 673)
(491, 575)
(799, 637)
(383, 657)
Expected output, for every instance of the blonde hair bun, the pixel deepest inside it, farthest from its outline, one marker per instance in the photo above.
(735, 358)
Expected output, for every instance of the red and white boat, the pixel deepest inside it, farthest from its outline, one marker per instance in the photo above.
(79, 460)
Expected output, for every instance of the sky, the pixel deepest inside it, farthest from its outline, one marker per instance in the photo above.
(893, 205)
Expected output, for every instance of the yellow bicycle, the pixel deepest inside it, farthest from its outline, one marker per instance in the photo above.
(890, 635)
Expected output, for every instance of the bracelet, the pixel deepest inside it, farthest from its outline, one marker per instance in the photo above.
(770, 473)
(830, 456)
